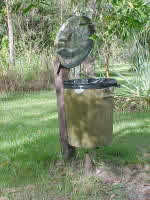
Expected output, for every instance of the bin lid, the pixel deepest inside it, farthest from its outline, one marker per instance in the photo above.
(92, 83)
(72, 41)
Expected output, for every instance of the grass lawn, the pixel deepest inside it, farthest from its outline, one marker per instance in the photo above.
(28, 135)
(30, 151)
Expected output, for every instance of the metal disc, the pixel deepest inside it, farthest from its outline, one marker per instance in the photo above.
(72, 41)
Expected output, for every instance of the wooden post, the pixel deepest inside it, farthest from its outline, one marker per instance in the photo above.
(61, 74)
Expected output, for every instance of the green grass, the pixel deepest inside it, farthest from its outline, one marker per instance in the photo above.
(131, 137)
(28, 135)
(29, 144)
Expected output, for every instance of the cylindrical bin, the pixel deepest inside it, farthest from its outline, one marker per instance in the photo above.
(89, 111)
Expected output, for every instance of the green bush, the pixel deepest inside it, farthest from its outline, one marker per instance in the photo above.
(32, 71)
(4, 63)
(139, 84)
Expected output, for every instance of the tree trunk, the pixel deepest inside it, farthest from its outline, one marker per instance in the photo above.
(10, 34)
(107, 59)
(61, 74)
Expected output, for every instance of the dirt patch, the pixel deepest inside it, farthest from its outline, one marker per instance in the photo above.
(106, 182)
(133, 179)
(30, 192)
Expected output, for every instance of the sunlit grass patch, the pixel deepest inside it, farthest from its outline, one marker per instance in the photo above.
(28, 136)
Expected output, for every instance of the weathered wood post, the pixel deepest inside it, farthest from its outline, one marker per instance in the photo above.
(61, 74)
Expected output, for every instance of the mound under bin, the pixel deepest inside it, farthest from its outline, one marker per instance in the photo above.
(89, 111)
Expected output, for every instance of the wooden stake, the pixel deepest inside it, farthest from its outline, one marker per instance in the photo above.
(61, 74)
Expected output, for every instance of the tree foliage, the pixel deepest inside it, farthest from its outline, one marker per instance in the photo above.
(121, 18)
(37, 21)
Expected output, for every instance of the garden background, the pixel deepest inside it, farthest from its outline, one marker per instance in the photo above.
(31, 165)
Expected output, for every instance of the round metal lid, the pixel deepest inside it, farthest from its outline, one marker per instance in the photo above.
(72, 41)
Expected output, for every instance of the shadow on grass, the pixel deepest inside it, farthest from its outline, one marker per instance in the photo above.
(28, 156)
(29, 139)
(130, 141)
